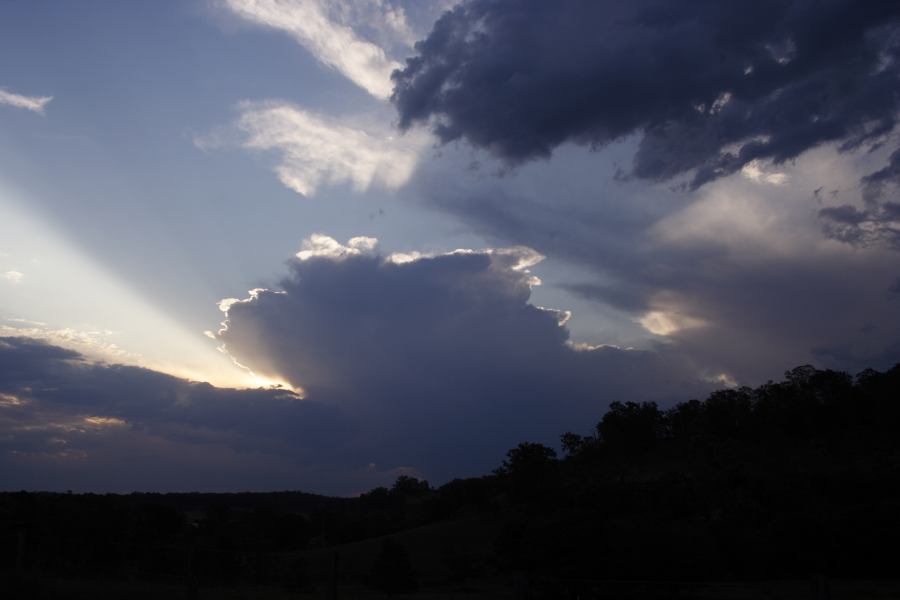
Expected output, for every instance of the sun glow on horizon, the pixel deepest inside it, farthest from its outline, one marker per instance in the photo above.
(103, 317)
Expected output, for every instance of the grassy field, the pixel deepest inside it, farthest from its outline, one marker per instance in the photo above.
(431, 548)
(780, 590)
(433, 551)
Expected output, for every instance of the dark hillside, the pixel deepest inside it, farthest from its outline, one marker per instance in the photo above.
(797, 480)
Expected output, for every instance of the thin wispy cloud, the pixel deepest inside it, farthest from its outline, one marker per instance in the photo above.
(314, 149)
(326, 30)
(32, 103)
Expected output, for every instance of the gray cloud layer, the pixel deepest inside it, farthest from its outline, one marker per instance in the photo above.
(711, 85)
(69, 422)
(744, 256)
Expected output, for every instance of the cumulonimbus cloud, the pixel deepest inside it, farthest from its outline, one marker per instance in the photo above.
(710, 86)
(32, 103)
(442, 357)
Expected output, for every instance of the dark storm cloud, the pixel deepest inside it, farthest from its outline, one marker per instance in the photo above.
(877, 184)
(878, 221)
(710, 85)
(57, 406)
(62, 381)
(444, 359)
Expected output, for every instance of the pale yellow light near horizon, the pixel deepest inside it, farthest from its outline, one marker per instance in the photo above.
(67, 298)
(665, 323)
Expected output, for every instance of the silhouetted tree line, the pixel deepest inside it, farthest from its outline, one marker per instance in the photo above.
(787, 479)
(784, 480)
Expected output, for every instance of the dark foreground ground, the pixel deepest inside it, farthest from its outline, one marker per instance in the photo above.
(788, 490)
(765, 590)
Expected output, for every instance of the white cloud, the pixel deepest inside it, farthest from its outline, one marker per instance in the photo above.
(326, 29)
(13, 276)
(754, 171)
(32, 103)
(224, 304)
(319, 245)
(316, 149)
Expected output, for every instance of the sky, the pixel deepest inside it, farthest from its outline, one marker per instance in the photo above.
(310, 244)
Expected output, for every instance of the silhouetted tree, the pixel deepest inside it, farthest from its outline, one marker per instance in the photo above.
(529, 460)
(631, 426)
(409, 487)
(531, 471)
(574, 445)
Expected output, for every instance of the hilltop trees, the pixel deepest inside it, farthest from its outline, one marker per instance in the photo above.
(782, 480)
